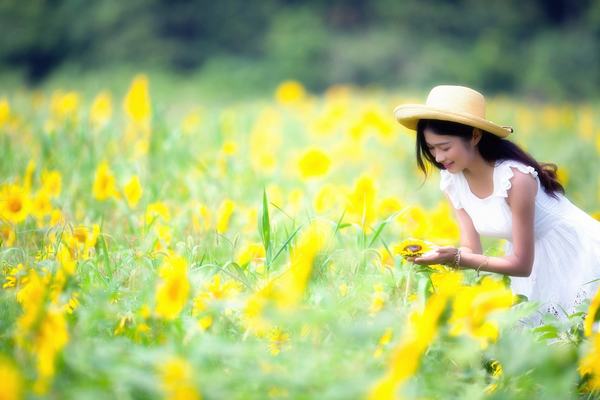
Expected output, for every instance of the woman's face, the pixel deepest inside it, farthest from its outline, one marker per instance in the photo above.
(454, 153)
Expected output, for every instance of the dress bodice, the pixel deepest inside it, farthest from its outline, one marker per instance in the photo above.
(492, 216)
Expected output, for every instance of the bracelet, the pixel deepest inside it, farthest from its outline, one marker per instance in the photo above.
(485, 262)
(456, 263)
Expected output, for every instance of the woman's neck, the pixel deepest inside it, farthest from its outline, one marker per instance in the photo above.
(479, 169)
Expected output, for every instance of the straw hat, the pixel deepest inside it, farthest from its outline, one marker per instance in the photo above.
(451, 103)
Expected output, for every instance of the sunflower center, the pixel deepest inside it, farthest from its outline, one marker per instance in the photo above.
(414, 248)
(80, 235)
(15, 204)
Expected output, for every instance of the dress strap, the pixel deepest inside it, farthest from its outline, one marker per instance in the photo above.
(450, 185)
(504, 173)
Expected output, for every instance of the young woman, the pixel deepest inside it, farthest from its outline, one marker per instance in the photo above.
(498, 190)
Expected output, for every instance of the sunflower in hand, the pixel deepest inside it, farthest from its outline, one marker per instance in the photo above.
(412, 248)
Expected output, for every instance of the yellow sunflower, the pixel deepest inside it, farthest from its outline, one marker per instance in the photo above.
(14, 203)
(411, 248)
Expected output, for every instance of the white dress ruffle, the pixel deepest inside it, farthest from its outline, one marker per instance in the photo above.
(567, 240)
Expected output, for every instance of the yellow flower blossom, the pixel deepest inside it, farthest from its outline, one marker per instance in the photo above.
(405, 359)
(443, 228)
(229, 148)
(411, 248)
(31, 297)
(253, 312)
(15, 204)
(201, 218)
(105, 186)
(378, 299)
(101, 110)
(563, 176)
(133, 191)
(157, 210)
(64, 106)
(28, 176)
(447, 282)
(56, 218)
(7, 235)
(414, 221)
(473, 304)
(224, 214)
(290, 92)
(205, 322)
(314, 163)
(292, 284)
(343, 289)
(383, 341)
(589, 365)
(12, 382)
(326, 198)
(388, 206)
(83, 239)
(361, 201)
(50, 340)
(173, 289)
(164, 233)
(4, 112)
(41, 205)
(278, 340)
(12, 277)
(177, 380)
(72, 304)
(66, 261)
(52, 183)
(592, 312)
(267, 129)
(137, 103)
(251, 252)
(217, 290)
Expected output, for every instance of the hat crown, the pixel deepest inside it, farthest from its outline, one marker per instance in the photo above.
(458, 99)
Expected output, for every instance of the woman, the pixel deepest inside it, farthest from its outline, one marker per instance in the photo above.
(498, 190)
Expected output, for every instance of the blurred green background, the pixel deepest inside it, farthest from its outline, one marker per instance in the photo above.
(543, 49)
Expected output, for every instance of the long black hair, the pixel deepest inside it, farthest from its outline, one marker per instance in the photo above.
(491, 147)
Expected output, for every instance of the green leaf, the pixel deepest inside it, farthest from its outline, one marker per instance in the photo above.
(339, 224)
(377, 232)
(289, 239)
(264, 225)
(546, 332)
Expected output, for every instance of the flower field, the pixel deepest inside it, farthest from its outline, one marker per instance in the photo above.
(151, 248)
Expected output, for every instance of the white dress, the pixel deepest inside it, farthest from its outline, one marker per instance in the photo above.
(567, 240)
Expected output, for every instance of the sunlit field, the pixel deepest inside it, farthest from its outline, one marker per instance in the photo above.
(156, 248)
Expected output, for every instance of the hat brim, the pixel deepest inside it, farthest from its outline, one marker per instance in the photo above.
(410, 114)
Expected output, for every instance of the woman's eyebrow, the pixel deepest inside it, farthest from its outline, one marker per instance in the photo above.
(437, 144)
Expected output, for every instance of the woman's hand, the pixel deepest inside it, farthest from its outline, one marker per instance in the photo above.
(439, 255)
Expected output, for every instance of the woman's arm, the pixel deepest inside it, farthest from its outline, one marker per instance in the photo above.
(469, 237)
(521, 199)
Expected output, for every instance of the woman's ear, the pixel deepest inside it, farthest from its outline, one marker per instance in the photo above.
(476, 136)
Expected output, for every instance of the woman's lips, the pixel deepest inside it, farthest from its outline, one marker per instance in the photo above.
(447, 165)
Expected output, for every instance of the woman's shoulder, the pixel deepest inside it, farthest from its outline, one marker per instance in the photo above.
(506, 167)
(505, 177)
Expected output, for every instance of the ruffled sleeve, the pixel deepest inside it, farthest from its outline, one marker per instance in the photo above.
(449, 185)
(504, 173)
